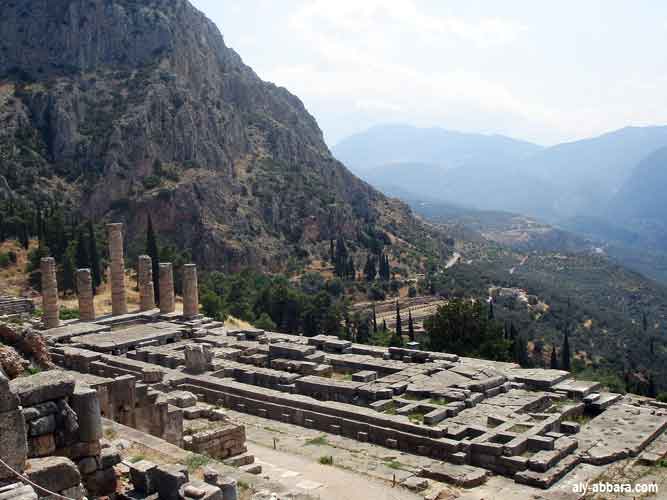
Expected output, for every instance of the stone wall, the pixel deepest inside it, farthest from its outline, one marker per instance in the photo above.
(62, 428)
(219, 443)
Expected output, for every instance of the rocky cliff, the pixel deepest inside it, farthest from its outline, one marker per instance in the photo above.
(127, 108)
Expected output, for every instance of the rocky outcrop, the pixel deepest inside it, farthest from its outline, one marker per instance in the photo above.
(130, 108)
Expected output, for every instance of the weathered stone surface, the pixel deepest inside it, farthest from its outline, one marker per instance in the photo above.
(143, 475)
(200, 490)
(84, 290)
(53, 473)
(50, 302)
(44, 386)
(41, 446)
(117, 268)
(86, 405)
(13, 446)
(465, 476)
(109, 457)
(167, 298)
(169, 479)
(43, 425)
(190, 291)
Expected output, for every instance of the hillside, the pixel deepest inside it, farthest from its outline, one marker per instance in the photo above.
(126, 109)
(573, 179)
(385, 145)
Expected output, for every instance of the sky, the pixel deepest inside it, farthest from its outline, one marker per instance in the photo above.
(547, 72)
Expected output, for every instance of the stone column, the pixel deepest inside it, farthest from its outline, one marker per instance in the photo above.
(118, 297)
(50, 305)
(167, 299)
(84, 287)
(190, 291)
(146, 286)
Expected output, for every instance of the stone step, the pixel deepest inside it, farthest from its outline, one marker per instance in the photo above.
(605, 400)
(464, 476)
(547, 479)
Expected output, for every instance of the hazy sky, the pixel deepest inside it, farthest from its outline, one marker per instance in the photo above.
(537, 70)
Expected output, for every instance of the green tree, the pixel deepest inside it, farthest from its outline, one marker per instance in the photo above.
(153, 252)
(82, 258)
(264, 322)
(566, 361)
(399, 323)
(411, 326)
(94, 257)
(554, 358)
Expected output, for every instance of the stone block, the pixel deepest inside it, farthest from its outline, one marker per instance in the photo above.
(169, 479)
(199, 490)
(87, 465)
(42, 425)
(143, 475)
(53, 473)
(13, 445)
(101, 482)
(86, 405)
(44, 386)
(41, 446)
(414, 483)
(251, 469)
(109, 457)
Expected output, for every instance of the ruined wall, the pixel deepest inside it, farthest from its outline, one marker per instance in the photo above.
(63, 419)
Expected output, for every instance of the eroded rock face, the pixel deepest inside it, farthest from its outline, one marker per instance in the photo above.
(130, 108)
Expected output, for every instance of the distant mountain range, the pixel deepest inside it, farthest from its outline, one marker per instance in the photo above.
(607, 188)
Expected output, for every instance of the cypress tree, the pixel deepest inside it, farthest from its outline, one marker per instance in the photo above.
(411, 326)
(399, 326)
(491, 312)
(375, 320)
(153, 252)
(331, 251)
(82, 258)
(351, 271)
(554, 358)
(566, 363)
(94, 257)
(652, 392)
(644, 321)
(24, 238)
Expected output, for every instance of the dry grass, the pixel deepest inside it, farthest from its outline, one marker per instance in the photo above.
(13, 280)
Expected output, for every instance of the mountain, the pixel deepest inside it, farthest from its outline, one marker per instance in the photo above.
(567, 180)
(385, 145)
(127, 108)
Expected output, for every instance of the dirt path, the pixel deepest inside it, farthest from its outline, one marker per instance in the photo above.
(323, 481)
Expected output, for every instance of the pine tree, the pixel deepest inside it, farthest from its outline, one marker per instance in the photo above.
(153, 252)
(566, 362)
(411, 326)
(554, 358)
(399, 326)
(94, 257)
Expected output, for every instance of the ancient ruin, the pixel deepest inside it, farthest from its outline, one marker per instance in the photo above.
(174, 375)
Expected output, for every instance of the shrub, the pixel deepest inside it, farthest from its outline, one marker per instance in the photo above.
(151, 181)
(326, 460)
(66, 313)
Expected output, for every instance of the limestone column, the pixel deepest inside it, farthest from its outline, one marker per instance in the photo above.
(190, 291)
(84, 287)
(118, 297)
(167, 300)
(50, 305)
(146, 286)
